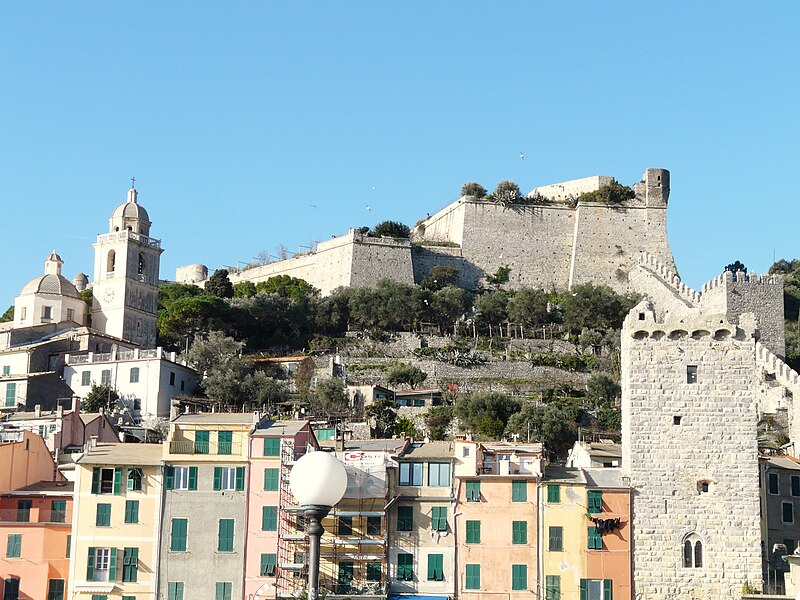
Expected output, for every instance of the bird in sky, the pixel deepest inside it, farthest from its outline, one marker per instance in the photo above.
(369, 207)
(313, 206)
(522, 156)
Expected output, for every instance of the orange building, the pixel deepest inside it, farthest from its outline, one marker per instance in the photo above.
(35, 521)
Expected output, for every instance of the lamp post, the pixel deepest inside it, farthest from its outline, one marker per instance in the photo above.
(318, 481)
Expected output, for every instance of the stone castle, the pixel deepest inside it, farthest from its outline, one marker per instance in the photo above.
(552, 243)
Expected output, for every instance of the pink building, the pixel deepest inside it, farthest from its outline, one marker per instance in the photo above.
(273, 535)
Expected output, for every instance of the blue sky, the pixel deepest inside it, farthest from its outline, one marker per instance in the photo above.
(237, 117)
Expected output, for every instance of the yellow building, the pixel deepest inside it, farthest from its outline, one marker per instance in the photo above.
(115, 522)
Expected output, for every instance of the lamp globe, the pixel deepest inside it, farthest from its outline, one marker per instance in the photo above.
(318, 479)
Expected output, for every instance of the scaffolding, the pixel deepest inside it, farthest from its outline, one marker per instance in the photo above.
(292, 541)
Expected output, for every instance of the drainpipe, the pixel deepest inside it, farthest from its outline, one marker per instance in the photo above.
(540, 525)
(160, 509)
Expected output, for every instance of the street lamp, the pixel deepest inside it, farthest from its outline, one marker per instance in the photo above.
(318, 481)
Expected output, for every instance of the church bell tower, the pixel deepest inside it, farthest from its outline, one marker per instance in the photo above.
(126, 267)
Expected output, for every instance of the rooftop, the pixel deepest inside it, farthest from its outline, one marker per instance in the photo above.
(123, 454)
(514, 447)
(216, 419)
(424, 450)
(605, 478)
(281, 428)
(564, 475)
(604, 450)
(49, 488)
(389, 445)
(783, 462)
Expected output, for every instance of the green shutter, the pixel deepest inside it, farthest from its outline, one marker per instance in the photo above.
(553, 587)
(553, 493)
(595, 502)
(272, 447)
(439, 518)
(269, 518)
(130, 565)
(405, 567)
(473, 532)
(595, 538)
(607, 589)
(90, 565)
(584, 589)
(169, 477)
(223, 590)
(225, 541)
(96, 480)
(117, 481)
(175, 590)
(217, 478)
(473, 491)
(519, 532)
(555, 539)
(473, 579)
(103, 515)
(405, 519)
(55, 589)
(14, 546)
(239, 479)
(131, 511)
(519, 491)
(267, 565)
(192, 478)
(112, 565)
(201, 442)
(224, 442)
(519, 577)
(435, 567)
(271, 480)
(178, 540)
(69, 546)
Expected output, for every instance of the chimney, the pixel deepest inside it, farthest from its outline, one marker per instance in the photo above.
(93, 441)
(339, 442)
(59, 411)
(76, 404)
(37, 411)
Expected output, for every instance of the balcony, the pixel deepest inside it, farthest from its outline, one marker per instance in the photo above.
(118, 236)
(203, 448)
(35, 516)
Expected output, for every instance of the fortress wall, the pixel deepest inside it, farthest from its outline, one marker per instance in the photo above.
(326, 268)
(425, 258)
(447, 225)
(534, 241)
(608, 241)
(572, 189)
(380, 258)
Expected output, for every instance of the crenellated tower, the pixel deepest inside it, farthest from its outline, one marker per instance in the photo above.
(126, 274)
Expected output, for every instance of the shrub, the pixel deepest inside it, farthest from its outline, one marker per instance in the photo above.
(474, 189)
(613, 193)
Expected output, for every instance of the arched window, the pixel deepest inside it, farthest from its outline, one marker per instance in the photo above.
(141, 264)
(692, 551)
(111, 259)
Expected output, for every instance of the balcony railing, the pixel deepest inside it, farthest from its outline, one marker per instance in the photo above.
(124, 235)
(35, 515)
(200, 448)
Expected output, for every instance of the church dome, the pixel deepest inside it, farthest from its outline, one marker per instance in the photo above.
(130, 215)
(130, 210)
(50, 284)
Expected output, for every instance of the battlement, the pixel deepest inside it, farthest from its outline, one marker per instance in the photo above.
(742, 279)
(784, 374)
(641, 323)
(672, 279)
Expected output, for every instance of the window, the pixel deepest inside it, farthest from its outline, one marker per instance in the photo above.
(374, 572)
(676, 420)
(69, 546)
(172, 378)
(134, 378)
(14, 545)
(692, 552)
(555, 539)
(790, 545)
(11, 589)
(141, 267)
(345, 526)
(225, 536)
(130, 564)
(175, 590)
(271, 480)
(691, 374)
(595, 502)
(435, 567)
(102, 564)
(439, 518)
(404, 518)
(131, 511)
(224, 590)
(105, 376)
(181, 478)
(103, 515)
(99, 597)
(55, 589)
(228, 478)
(224, 442)
(373, 525)
(787, 512)
(345, 580)
(439, 474)
(201, 442)
(552, 587)
(473, 532)
(11, 394)
(24, 511)
(772, 478)
(519, 577)
(473, 491)
(595, 538)
(595, 589)
(47, 313)
(6, 370)
(268, 562)
(465, 451)
(86, 378)
(519, 491)
(405, 567)
(24, 314)
(272, 447)
(134, 479)
(473, 577)
(178, 538)
(795, 485)
(70, 314)
(519, 532)
(269, 518)
(410, 473)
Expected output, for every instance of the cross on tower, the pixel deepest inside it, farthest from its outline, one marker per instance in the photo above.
(133, 183)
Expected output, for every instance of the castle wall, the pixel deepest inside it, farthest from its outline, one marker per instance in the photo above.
(447, 225)
(715, 442)
(378, 258)
(424, 258)
(762, 296)
(662, 287)
(571, 189)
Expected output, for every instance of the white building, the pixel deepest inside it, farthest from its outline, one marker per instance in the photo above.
(126, 267)
(49, 298)
(147, 379)
(595, 455)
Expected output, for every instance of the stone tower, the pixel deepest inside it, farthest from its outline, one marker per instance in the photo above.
(691, 383)
(126, 268)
